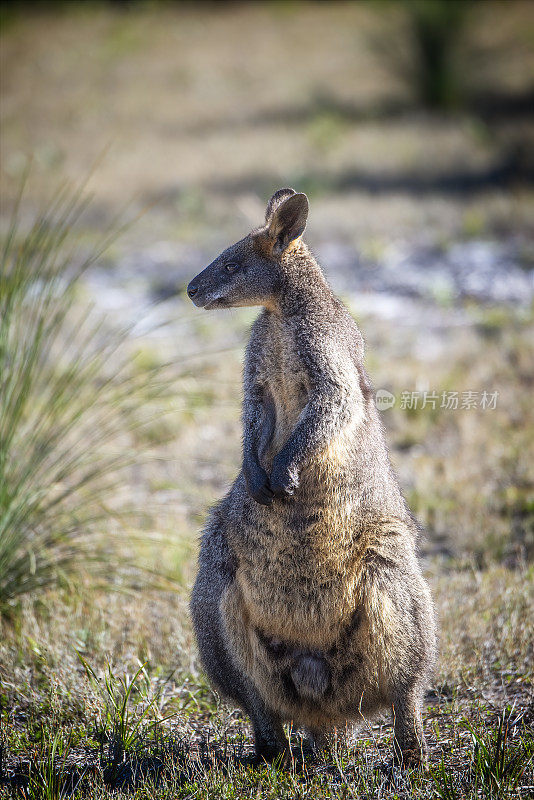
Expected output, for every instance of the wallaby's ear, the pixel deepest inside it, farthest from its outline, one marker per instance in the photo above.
(277, 198)
(287, 221)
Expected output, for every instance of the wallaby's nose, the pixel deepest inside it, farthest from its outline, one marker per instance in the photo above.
(192, 290)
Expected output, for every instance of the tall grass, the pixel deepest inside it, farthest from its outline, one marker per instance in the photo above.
(70, 400)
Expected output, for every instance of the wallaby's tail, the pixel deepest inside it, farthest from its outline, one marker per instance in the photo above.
(311, 676)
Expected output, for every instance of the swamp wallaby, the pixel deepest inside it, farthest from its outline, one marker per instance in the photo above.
(309, 605)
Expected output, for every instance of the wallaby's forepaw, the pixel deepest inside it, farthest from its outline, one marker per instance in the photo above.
(283, 481)
(258, 486)
(263, 494)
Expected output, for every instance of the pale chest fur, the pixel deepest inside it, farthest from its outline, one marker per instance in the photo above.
(282, 374)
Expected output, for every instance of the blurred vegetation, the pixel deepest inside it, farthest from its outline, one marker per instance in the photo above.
(436, 27)
(69, 403)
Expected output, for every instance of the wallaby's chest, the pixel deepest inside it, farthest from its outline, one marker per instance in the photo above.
(282, 373)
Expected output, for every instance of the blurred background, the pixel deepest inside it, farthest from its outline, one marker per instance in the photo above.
(410, 125)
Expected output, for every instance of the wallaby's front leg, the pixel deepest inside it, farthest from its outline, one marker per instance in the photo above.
(259, 423)
(327, 411)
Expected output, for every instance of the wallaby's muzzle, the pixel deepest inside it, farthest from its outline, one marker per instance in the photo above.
(194, 292)
(202, 290)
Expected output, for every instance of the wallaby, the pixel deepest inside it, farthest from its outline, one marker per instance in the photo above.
(309, 605)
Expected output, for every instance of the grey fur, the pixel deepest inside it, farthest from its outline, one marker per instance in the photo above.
(309, 604)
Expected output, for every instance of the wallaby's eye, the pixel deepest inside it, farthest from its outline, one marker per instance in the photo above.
(231, 266)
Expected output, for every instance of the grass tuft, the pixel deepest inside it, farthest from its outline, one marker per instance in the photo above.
(497, 765)
(49, 777)
(69, 405)
(129, 708)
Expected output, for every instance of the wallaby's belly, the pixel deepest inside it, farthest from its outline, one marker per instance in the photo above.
(296, 601)
(299, 559)
(304, 607)
(297, 570)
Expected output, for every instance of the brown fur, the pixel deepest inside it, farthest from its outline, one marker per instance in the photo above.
(309, 605)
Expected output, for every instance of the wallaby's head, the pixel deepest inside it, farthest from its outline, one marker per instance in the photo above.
(250, 272)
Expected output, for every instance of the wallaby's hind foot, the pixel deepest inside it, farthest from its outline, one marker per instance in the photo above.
(409, 748)
(317, 741)
(270, 741)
